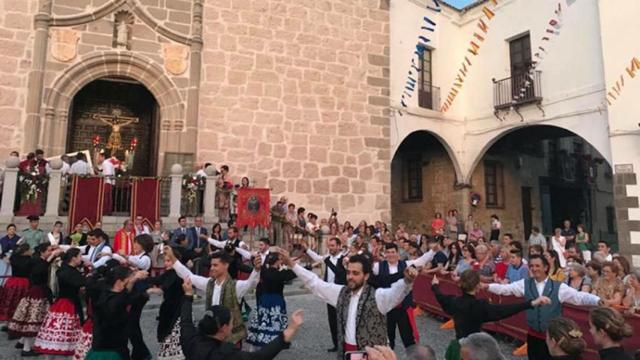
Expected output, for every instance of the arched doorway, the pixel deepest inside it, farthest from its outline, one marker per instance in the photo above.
(423, 178)
(540, 176)
(94, 106)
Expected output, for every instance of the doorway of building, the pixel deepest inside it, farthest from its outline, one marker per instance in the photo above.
(95, 105)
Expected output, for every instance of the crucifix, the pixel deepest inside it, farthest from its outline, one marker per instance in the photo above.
(116, 121)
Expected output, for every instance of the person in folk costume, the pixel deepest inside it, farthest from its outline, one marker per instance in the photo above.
(97, 251)
(96, 285)
(138, 261)
(61, 328)
(17, 286)
(269, 319)
(361, 309)
(32, 309)
(221, 289)
(210, 340)
(386, 273)
(169, 284)
(565, 340)
(470, 313)
(538, 319)
(123, 241)
(335, 273)
(231, 246)
(111, 316)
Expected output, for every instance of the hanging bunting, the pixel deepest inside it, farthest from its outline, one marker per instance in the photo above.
(475, 43)
(427, 25)
(610, 96)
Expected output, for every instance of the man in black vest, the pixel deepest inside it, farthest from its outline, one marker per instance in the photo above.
(386, 273)
(334, 273)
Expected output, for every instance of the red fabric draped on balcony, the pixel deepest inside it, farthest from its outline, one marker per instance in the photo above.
(253, 207)
(516, 326)
(145, 200)
(86, 201)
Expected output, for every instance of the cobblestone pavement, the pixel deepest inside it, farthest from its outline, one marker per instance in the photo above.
(311, 341)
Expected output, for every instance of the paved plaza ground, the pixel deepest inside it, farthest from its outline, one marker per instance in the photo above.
(311, 341)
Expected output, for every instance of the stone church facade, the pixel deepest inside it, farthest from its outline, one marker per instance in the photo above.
(293, 95)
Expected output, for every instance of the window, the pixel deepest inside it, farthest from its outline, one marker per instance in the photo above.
(413, 178)
(611, 220)
(493, 184)
(425, 93)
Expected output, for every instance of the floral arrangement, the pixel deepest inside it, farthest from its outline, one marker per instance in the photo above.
(32, 184)
(191, 184)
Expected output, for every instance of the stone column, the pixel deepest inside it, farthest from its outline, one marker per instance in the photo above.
(36, 76)
(53, 193)
(9, 188)
(195, 69)
(175, 195)
(210, 194)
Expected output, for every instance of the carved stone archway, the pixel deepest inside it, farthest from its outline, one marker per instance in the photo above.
(59, 97)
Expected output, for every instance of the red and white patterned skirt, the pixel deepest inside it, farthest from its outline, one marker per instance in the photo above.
(60, 332)
(30, 313)
(84, 345)
(14, 290)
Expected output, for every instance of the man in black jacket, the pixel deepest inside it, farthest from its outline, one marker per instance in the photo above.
(207, 342)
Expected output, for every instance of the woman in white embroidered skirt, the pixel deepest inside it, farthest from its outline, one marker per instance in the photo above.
(60, 332)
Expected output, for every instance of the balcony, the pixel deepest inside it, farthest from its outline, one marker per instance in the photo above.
(506, 92)
(429, 97)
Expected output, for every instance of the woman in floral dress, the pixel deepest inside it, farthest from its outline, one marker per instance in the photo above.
(224, 186)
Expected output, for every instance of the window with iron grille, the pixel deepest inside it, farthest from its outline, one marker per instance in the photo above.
(413, 178)
(493, 184)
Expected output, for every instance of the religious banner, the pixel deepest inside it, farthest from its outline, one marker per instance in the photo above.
(253, 207)
(86, 201)
(145, 200)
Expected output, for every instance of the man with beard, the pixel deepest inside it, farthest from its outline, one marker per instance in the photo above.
(360, 309)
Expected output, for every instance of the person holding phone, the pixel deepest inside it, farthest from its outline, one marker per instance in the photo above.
(360, 309)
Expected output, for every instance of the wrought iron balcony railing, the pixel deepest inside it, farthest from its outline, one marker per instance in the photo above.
(519, 89)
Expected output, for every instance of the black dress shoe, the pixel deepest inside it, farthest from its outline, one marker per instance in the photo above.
(333, 349)
(19, 345)
(29, 353)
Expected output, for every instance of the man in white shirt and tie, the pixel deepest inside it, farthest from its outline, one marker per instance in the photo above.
(360, 309)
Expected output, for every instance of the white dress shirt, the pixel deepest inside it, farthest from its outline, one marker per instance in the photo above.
(566, 294)
(331, 276)
(200, 282)
(386, 299)
(419, 262)
(144, 229)
(80, 167)
(220, 244)
(108, 169)
(141, 261)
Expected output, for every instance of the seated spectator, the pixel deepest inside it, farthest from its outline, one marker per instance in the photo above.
(632, 297)
(577, 278)
(624, 268)
(503, 264)
(574, 256)
(565, 339)
(485, 265)
(517, 269)
(440, 259)
(495, 248)
(480, 346)
(558, 243)
(536, 238)
(609, 287)
(468, 259)
(608, 328)
(594, 270)
(476, 233)
(605, 250)
(535, 250)
(455, 256)
(555, 271)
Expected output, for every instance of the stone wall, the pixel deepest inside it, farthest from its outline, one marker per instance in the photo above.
(16, 41)
(294, 95)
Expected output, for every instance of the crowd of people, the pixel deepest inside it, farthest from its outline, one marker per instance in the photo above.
(74, 294)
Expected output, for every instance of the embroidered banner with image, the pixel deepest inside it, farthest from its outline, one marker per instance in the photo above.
(253, 207)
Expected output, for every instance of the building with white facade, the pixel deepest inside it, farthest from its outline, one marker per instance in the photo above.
(528, 104)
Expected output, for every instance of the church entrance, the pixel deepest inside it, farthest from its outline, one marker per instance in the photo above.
(125, 117)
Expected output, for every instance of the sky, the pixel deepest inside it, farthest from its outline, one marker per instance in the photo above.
(459, 3)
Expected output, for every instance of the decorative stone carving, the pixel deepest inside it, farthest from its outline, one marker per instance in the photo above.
(175, 58)
(64, 44)
(176, 169)
(122, 30)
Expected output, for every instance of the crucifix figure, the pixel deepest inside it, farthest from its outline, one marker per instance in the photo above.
(116, 121)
